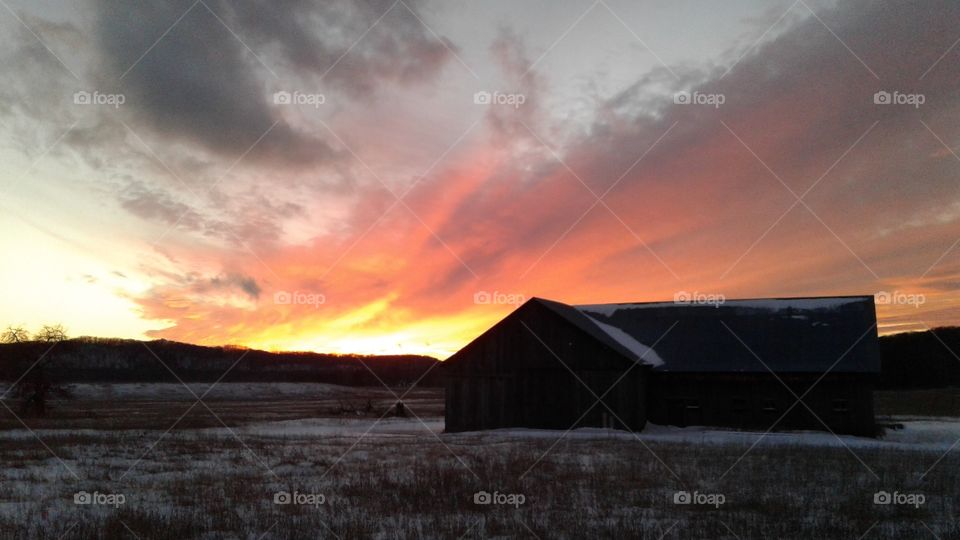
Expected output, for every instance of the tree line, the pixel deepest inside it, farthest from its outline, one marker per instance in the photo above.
(928, 359)
(40, 364)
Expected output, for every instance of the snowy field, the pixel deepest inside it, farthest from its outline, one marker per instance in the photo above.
(320, 461)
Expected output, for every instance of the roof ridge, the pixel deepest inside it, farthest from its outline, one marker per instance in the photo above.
(728, 300)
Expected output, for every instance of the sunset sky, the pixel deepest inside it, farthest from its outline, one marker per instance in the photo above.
(380, 209)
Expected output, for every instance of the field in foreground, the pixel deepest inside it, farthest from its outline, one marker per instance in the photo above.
(319, 461)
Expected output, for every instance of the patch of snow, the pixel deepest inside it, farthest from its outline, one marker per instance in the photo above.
(644, 353)
(800, 304)
(23, 434)
(309, 428)
(305, 428)
(223, 390)
(921, 435)
(607, 310)
(773, 304)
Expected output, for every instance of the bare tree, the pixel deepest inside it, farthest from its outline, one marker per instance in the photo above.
(36, 383)
(52, 333)
(15, 334)
(17, 337)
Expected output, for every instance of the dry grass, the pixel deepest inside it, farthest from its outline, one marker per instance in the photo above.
(207, 484)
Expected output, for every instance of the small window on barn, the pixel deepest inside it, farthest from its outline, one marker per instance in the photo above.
(739, 405)
(693, 404)
(841, 406)
(769, 406)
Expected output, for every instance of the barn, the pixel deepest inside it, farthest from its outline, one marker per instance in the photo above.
(758, 364)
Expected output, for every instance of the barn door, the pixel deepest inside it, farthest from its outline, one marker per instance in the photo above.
(675, 412)
(692, 413)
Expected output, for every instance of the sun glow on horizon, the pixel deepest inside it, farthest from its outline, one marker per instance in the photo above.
(436, 336)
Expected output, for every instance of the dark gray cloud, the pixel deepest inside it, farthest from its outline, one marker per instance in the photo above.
(158, 206)
(315, 37)
(250, 218)
(201, 284)
(197, 83)
(246, 284)
(203, 83)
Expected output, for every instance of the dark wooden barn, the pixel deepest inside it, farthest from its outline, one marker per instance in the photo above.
(526, 371)
(796, 363)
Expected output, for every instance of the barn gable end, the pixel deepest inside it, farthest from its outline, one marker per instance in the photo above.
(544, 366)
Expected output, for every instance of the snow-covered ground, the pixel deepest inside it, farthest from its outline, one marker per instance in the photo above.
(223, 390)
(917, 434)
(334, 427)
(405, 478)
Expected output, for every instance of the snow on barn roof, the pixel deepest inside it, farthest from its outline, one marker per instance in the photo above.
(789, 335)
(642, 352)
(772, 304)
(613, 337)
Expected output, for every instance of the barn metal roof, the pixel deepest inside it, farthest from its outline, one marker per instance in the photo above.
(783, 335)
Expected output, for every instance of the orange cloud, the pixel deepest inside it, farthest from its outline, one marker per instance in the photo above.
(711, 206)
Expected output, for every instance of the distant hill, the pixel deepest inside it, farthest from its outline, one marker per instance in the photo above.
(921, 359)
(127, 360)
